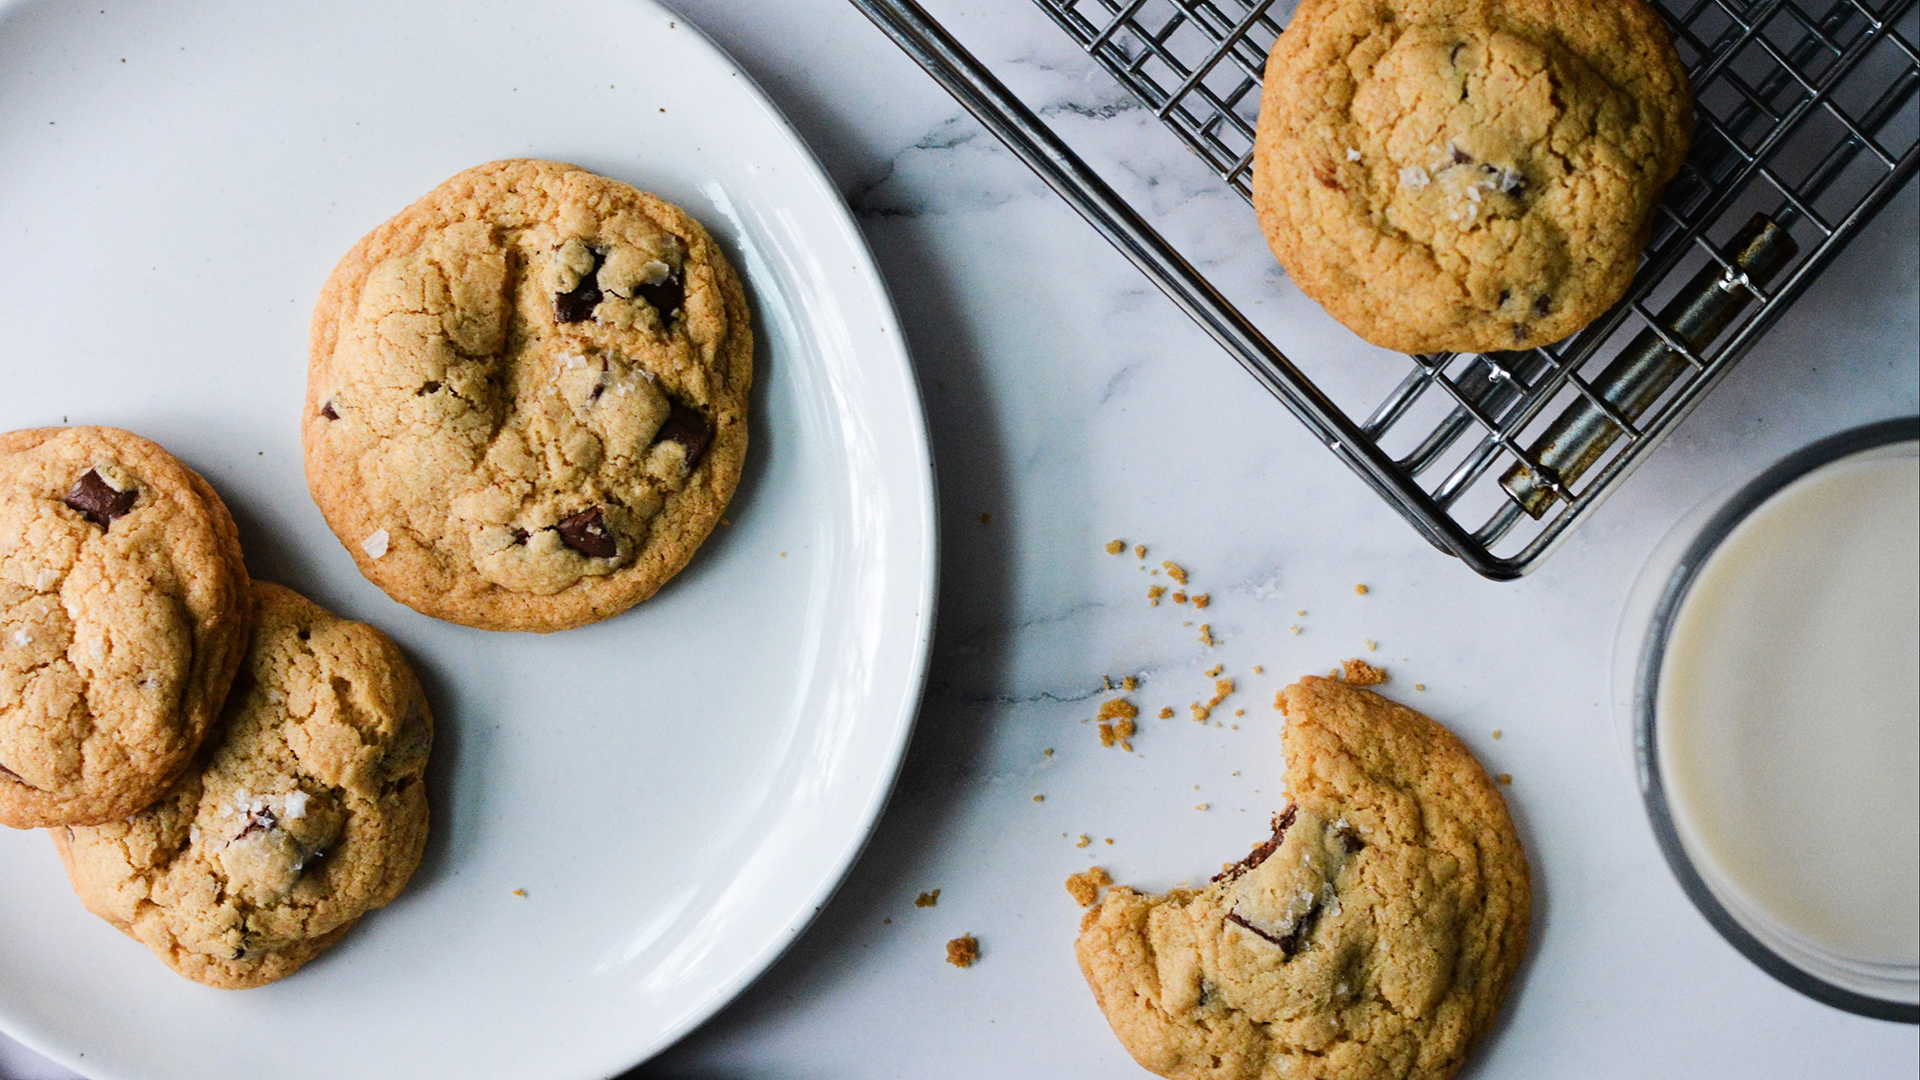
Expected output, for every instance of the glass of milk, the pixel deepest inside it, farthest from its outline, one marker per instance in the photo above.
(1767, 679)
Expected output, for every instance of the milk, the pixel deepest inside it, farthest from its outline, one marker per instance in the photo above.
(1788, 711)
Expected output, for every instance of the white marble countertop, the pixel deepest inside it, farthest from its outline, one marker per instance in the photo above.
(1070, 404)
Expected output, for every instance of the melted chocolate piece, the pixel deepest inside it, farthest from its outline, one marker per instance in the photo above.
(1350, 841)
(1281, 823)
(587, 534)
(1289, 942)
(96, 500)
(258, 822)
(687, 427)
(1542, 304)
(577, 305)
(667, 297)
(1460, 157)
(519, 536)
(327, 411)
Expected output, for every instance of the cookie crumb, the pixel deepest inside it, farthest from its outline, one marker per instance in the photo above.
(1174, 571)
(1373, 646)
(927, 899)
(1302, 613)
(1109, 841)
(1179, 597)
(1206, 635)
(375, 545)
(1361, 673)
(1258, 670)
(963, 951)
(1496, 733)
(1139, 551)
(1154, 593)
(521, 893)
(1361, 590)
(1215, 670)
(1221, 688)
(1039, 798)
(1505, 778)
(1202, 599)
(1129, 683)
(1116, 722)
(1202, 806)
(1239, 712)
(1084, 840)
(1166, 712)
(1115, 547)
(1419, 686)
(1048, 752)
(1294, 629)
(1085, 886)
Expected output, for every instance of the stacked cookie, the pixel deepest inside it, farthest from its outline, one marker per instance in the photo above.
(231, 774)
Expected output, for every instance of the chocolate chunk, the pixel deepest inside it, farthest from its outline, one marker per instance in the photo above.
(258, 821)
(1289, 942)
(303, 865)
(428, 387)
(1542, 304)
(1460, 157)
(577, 305)
(1281, 823)
(1235, 918)
(327, 411)
(519, 536)
(688, 428)
(1350, 841)
(1323, 171)
(97, 501)
(667, 297)
(587, 534)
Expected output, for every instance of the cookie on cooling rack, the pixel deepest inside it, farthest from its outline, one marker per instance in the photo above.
(123, 614)
(1467, 175)
(527, 397)
(1374, 935)
(308, 813)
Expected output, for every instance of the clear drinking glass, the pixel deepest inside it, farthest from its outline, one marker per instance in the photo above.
(1883, 991)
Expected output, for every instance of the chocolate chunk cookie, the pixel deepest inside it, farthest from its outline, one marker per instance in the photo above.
(308, 813)
(1372, 936)
(527, 397)
(1467, 175)
(123, 614)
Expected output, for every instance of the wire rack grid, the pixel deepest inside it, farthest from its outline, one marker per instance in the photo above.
(1807, 122)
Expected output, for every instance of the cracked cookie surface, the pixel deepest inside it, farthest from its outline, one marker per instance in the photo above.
(1467, 175)
(308, 812)
(1373, 936)
(527, 397)
(123, 614)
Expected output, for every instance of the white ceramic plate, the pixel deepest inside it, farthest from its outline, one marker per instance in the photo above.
(677, 790)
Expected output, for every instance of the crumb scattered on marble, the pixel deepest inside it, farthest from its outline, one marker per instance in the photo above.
(1179, 597)
(1039, 798)
(1199, 712)
(1361, 590)
(521, 893)
(1085, 886)
(1166, 712)
(1175, 571)
(1154, 593)
(1084, 840)
(1302, 613)
(1294, 630)
(1215, 670)
(927, 899)
(1115, 547)
(1258, 670)
(1505, 778)
(1139, 551)
(1373, 646)
(1496, 733)
(963, 951)
(1206, 635)
(1109, 840)
(1201, 806)
(1129, 683)
(1202, 599)
(1419, 686)
(1048, 752)
(1116, 722)
(1361, 673)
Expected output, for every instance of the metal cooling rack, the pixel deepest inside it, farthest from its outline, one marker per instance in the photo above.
(1806, 125)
